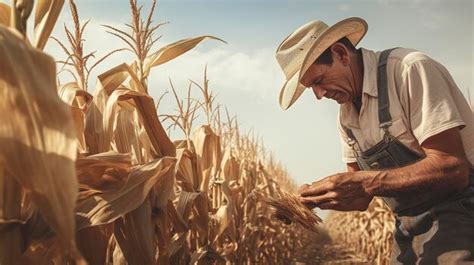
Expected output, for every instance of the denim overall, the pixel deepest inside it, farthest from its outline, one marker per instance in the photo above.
(430, 228)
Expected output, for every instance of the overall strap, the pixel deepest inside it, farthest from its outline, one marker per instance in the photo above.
(352, 141)
(385, 120)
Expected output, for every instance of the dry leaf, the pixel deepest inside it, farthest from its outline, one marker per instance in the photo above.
(5, 14)
(173, 50)
(79, 100)
(290, 207)
(37, 138)
(104, 208)
(209, 153)
(47, 12)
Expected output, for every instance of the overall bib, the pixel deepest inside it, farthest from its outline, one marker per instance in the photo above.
(430, 228)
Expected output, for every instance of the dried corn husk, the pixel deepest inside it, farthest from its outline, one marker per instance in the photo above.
(106, 207)
(173, 50)
(47, 12)
(225, 215)
(290, 207)
(229, 167)
(79, 100)
(102, 173)
(93, 242)
(369, 233)
(144, 201)
(135, 235)
(37, 137)
(5, 14)
(101, 122)
(206, 255)
(107, 82)
(209, 153)
(187, 176)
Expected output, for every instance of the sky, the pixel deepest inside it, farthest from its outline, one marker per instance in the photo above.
(245, 75)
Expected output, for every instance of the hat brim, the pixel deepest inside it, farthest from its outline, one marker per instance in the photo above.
(353, 28)
(291, 91)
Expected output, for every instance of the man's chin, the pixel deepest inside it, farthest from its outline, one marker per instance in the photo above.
(340, 101)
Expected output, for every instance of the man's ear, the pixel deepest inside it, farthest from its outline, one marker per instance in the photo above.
(340, 52)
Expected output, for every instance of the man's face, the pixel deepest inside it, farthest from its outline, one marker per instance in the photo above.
(333, 81)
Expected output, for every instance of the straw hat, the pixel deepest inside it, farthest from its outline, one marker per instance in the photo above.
(301, 48)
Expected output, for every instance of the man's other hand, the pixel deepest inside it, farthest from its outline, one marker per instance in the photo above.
(342, 192)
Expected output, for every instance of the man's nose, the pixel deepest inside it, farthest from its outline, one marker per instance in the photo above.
(318, 92)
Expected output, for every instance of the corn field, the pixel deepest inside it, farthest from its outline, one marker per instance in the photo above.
(369, 232)
(94, 178)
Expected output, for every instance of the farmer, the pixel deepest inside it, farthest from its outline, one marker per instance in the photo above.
(407, 135)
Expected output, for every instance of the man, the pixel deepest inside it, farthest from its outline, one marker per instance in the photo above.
(407, 134)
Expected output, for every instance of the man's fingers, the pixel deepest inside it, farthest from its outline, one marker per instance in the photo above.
(312, 202)
(316, 200)
(334, 205)
(328, 204)
(310, 205)
(303, 188)
(317, 188)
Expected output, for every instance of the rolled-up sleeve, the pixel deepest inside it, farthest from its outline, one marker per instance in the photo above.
(432, 107)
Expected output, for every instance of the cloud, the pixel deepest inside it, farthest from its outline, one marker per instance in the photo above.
(344, 7)
(254, 72)
(433, 12)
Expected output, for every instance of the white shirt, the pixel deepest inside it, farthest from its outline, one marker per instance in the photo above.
(424, 101)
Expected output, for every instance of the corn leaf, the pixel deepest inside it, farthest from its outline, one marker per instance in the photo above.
(179, 224)
(10, 218)
(107, 82)
(163, 236)
(134, 235)
(113, 78)
(106, 207)
(126, 135)
(185, 205)
(200, 212)
(225, 215)
(209, 153)
(102, 173)
(160, 197)
(37, 138)
(178, 248)
(47, 13)
(5, 14)
(207, 255)
(185, 174)
(93, 243)
(230, 168)
(173, 50)
(79, 100)
(144, 104)
(116, 76)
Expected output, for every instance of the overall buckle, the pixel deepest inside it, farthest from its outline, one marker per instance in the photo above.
(384, 126)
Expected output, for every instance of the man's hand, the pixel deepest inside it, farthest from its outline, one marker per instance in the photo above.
(342, 192)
